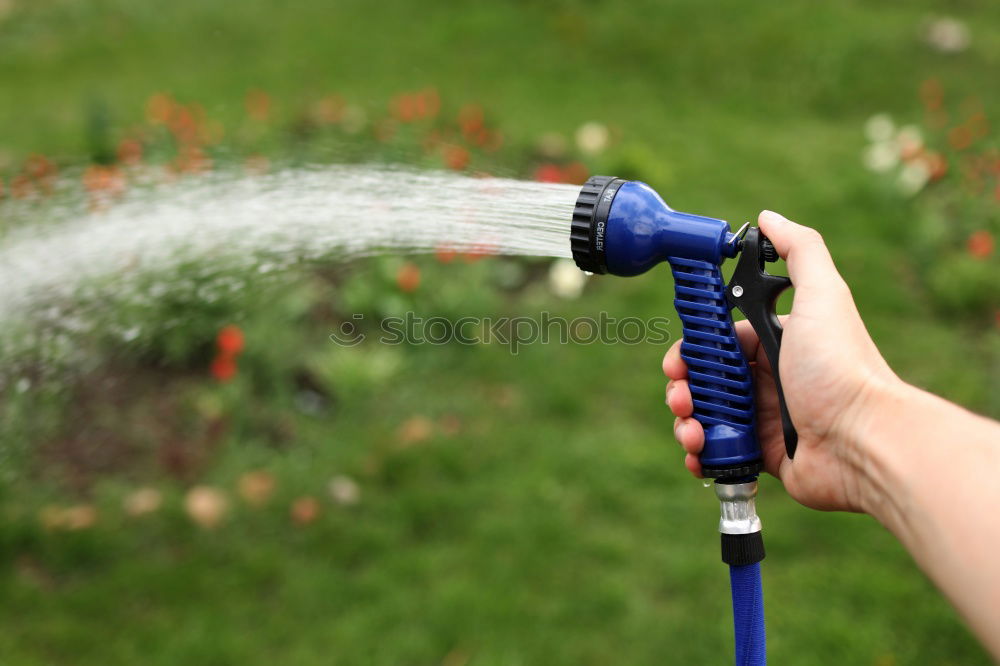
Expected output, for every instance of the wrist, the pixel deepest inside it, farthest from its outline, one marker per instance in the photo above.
(871, 438)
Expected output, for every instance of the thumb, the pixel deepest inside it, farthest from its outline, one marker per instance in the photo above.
(810, 265)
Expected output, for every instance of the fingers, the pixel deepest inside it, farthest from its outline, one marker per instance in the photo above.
(689, 434)
(809, 263)
(748, 339)
(692, 464)
(679, 398)
(674, 366)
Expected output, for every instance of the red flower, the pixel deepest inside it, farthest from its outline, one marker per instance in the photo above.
(470, 119)
(548, 173)
(223, 368)
(405, 107)
(936, 164)
(230, 340)
(130, 151)
(481, 137)
(408, 107)
(39, 168)
(103, 183)
(304, 510)
(183, 125)
(445, 254)
(408, 277)
(456, 157)
(981, 244)
(41, 171)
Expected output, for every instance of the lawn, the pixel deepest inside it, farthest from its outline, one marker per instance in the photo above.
(528, 509)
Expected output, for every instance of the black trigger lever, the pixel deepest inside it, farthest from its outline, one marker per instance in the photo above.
(754, 291)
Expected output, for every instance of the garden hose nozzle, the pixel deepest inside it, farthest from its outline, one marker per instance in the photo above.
(623, 227)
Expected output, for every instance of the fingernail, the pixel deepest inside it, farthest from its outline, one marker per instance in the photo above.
(670, 389)
(678, 426)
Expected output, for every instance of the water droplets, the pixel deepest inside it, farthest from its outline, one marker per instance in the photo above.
(265, 222)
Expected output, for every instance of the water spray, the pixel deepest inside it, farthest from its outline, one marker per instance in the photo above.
(624, 228)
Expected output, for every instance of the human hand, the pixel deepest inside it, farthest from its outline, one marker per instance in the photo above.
(831, 372)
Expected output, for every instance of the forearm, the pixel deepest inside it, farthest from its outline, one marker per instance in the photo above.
(931, 477)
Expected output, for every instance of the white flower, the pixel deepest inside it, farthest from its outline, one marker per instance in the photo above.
(913, 177)
(881, 157)
(592, 137)
(206, 506)
(880, 128)
(344, 490)
(565, 279)
(948, 35)
(142, 501)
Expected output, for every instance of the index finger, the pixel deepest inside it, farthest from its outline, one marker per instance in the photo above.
(674, 366)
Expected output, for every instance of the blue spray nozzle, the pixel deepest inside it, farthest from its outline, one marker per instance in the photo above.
(624, 228)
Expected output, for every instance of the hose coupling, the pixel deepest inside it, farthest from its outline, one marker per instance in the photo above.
(742, 542)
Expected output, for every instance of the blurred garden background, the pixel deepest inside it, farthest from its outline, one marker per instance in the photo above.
(219, 483)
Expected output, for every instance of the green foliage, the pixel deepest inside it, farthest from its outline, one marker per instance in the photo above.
(513, 509)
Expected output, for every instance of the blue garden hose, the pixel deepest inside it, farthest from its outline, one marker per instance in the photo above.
(624, 228)
(748, 615)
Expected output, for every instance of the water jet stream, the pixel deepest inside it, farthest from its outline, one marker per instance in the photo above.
(291, 215)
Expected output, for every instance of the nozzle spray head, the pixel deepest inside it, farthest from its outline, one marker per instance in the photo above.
(623, 227)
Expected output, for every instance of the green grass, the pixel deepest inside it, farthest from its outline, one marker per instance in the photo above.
(557, 526)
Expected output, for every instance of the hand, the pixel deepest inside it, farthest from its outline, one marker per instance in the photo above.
(831, 371)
